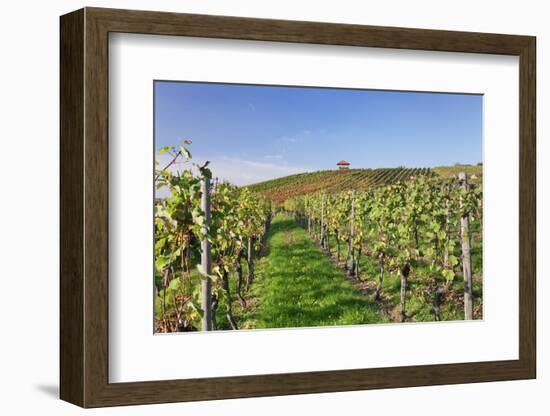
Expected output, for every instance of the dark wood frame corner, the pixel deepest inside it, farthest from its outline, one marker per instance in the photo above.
(84, 207)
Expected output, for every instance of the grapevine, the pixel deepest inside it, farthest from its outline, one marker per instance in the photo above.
(238, 217)
(413, 222)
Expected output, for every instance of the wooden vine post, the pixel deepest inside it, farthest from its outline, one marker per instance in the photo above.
(446, 252)
(322, 231)
(466, 257)
(206, 259)
(403, 291)
(250, 261)
(351, 250)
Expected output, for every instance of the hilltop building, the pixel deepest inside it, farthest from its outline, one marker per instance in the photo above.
(343, 165)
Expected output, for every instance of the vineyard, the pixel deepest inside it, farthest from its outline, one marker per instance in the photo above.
(422, 227)
(331, 181)
(331, 247)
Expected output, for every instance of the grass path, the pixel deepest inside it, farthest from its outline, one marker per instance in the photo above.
(298, 286)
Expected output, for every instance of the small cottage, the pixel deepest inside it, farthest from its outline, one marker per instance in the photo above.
(343, 164)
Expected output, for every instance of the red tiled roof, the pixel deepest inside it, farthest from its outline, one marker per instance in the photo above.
(342, 162)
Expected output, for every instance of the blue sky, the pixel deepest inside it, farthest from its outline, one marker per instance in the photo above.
(254, 133)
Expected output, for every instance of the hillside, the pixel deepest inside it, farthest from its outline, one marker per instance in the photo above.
(450, 171)
(331, 181)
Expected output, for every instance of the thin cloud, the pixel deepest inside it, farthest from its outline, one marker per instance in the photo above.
(245, 172)
(301, 135)
(235, 170)
(289, 139)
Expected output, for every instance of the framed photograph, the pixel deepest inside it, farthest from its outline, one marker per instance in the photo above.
(254, 207)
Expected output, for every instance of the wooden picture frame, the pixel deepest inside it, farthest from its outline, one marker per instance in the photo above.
(84, 207)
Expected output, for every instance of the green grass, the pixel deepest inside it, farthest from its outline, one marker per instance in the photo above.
(453, 171)
(298, 286)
